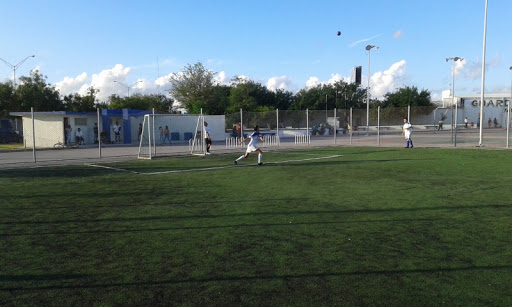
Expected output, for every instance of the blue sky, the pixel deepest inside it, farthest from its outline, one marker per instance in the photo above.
(281, 44)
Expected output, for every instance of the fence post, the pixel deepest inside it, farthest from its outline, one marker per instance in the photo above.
(351, 127)
(241, 124)
(277, 127)
(307, 126)
(378, 126)
(99, 131)
(33, 135)
(335, 126)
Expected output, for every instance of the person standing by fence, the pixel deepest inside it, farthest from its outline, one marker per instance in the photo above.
(406, 132)
(117, 132)
(207, 137)
(167, 135)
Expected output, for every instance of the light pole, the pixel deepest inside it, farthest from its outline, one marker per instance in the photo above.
(127, 87)
(14, 67)
(508, 109)
(482, 85)
(368, 48)
(454, 59)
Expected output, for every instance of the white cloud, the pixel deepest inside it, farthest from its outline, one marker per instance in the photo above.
(71, 85)
(383, 82)
(104, 81)
(337, 77)
(364, 40)
(458, 67)
(315, 81)
(279, 83)
(221, 78)
(398, 34)
(312, 82)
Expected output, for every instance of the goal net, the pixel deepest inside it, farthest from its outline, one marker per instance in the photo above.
(166, 134)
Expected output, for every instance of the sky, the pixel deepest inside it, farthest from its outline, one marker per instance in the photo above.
(285, 44)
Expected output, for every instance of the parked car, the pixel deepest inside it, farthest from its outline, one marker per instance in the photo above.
(7, 133)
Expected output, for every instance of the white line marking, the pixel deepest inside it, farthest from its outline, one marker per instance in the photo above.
(112, 168)
(238, 165)
(209, 168)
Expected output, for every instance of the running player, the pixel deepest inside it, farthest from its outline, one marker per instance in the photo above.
(406, 132)
(252, 146)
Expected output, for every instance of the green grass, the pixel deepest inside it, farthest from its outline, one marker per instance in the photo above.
(374, 226)
(11, 146)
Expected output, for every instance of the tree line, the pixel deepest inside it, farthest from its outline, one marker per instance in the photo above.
(195, 88)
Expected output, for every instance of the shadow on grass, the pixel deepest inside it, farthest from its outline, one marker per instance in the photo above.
(33, 277)
(266, 225)
(136, 193)
(267, 277)
(286, 213)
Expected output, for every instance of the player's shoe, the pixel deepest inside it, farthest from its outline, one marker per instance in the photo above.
(260, 164)
(235, 162)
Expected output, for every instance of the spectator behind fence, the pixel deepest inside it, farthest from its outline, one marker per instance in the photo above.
(95, 131)
(79, 137)
(68, 134)
(140, 131)
(117, 132)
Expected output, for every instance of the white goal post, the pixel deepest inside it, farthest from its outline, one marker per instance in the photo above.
(165, 134)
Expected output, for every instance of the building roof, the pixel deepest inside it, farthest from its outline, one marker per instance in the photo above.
(131, 112)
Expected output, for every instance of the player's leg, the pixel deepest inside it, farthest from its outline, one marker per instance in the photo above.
(260, 156)
(244, 156)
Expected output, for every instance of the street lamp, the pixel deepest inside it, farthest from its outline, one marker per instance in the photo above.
(454, 59)
(127, 87)
(508, 113)
(482, 85)
(368, 48)
(14, 67)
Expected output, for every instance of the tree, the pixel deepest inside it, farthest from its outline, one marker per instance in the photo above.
(160, 103)
(339, 95)
(407, 96)
(7, 99)
(76, 103)
(193, 87)
(249, 95)
(35, 92)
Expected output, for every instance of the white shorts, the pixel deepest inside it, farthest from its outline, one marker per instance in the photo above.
(251, 148)
(407, 134)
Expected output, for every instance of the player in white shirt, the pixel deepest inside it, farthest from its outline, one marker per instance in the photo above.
(252, 146)
(406, 132)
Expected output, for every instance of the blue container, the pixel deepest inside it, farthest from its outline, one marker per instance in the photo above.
(187, 136)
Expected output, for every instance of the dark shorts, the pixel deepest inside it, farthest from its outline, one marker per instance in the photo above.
(208, 141)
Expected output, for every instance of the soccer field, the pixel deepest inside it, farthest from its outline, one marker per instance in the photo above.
(317, 226)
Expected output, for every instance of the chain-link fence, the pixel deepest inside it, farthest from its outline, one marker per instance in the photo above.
(50, 136)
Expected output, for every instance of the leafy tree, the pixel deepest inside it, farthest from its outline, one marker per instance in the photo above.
(7, 99)
(75, 102)
(248, 95)
(160, 103)
(193, 87)
(35, 92)
(340, 95)
(283, 100)
(406, 96)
